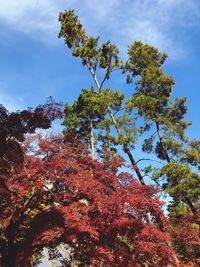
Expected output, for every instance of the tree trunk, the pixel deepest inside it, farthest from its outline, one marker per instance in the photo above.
(91, 137)
(164, 149)
(127, 150)
(11, 249)
(189, 203)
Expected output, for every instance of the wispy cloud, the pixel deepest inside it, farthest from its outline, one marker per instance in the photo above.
(158, 22)
(10, 101)
(36, 18)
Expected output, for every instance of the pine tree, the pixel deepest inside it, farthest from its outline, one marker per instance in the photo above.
(151, 100)
(84, 115)
(105, 59)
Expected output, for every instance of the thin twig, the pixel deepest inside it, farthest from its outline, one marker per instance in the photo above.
(149, 160)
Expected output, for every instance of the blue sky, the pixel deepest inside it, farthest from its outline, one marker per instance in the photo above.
(35, 64)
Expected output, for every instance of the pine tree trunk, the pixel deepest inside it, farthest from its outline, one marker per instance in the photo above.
(127, 150)
(189, 203)
(164, 150)
(91, 137)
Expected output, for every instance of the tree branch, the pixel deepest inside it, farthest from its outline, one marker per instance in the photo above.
(93, 75)
(118, 111)
(149, 160)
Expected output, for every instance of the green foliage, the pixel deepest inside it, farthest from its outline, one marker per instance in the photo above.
(87, 48)
(177, 209)
(182, 182)
(141, 56)
(71, 29)
(88, 106)
(151, 101)
(150, 110)
(147, 146)
(191, 154)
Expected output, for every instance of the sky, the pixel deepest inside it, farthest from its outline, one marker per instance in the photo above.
(35, 64)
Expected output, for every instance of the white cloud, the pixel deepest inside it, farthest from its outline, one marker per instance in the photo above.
(33, 17)
(153, 21)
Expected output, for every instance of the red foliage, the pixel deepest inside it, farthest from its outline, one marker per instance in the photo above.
(60, 195)
(15, 125)
(186, 239)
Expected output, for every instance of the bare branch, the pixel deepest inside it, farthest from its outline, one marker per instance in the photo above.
(118, 111)
(149, 160)
(93, 75)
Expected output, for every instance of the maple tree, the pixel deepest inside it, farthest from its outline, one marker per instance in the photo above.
(184, 232)
(15, 125)
(13, 129)
(55, 198)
